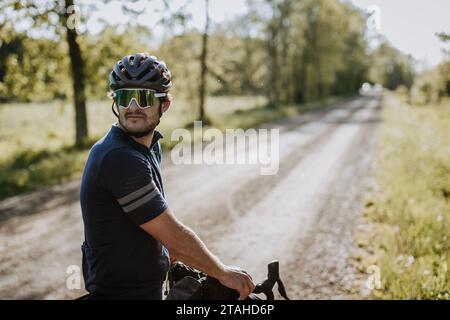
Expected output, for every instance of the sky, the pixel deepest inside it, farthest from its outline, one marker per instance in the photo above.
(410, 25)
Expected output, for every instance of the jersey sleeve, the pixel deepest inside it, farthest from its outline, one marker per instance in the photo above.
(128, 178)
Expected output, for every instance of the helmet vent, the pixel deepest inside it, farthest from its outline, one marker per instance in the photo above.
(125, 72)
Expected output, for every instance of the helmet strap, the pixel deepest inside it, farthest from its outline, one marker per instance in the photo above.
(114, 111)
(160, 108)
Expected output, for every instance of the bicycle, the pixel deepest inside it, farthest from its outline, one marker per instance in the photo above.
(186, 283)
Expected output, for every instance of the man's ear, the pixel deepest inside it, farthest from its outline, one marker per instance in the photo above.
(166, 103)
(165, 106)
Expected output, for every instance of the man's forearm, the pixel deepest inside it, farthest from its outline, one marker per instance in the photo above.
(184, 244)
(191, 250)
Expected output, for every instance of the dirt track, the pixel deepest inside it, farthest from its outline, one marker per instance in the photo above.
(303, 216)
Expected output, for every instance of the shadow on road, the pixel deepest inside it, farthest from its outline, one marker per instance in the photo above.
(36, 202)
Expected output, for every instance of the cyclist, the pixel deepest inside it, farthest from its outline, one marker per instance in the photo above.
(128, 226)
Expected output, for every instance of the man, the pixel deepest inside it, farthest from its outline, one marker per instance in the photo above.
(127, 222)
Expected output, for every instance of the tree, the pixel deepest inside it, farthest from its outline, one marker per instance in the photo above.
(274, 15)
(78, 80)
(203, 65)
(444, 67)
(444, 37)
(390, 67)
(61, 19)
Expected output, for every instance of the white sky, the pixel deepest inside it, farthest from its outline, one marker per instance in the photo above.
(410, 25)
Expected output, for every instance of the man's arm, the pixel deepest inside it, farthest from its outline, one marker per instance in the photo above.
(184, 244)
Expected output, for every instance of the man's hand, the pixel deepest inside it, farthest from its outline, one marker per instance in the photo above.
(239, 280)
(172, 259)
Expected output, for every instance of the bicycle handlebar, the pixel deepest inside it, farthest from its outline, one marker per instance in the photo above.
(273, 276)
(216, 290)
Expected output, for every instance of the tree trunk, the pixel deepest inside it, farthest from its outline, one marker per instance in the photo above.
(203, 66)
(247, 86)
(285, 90)
(77, 66)
(272, 68)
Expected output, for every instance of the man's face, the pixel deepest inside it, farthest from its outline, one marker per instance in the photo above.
(137, 120)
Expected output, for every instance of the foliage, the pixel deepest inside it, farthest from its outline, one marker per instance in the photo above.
(409, 208)
(318, 50)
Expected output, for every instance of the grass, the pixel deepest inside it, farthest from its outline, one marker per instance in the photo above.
(254, 116)
(408, 211)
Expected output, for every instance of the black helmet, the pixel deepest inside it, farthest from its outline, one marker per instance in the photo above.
(140, 70)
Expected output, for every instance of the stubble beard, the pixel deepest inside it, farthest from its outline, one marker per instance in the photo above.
(145, 130)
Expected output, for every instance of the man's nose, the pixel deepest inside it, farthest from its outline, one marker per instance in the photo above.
(134, 104)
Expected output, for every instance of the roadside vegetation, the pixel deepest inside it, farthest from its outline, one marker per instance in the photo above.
(408, 211)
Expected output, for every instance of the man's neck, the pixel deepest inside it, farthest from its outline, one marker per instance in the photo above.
(146, 141)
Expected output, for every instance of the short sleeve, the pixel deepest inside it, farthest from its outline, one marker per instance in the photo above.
(127, 177)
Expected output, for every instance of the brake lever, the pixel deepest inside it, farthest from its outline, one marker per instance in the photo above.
(273, 276)
(267, 285)
(282, 289)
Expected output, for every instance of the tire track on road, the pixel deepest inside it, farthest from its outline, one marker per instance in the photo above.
(321, 268)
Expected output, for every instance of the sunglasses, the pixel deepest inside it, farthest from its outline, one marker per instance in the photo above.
(144, 98)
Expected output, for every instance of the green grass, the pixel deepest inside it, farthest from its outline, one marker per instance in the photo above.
(409, 208)
(254, 116)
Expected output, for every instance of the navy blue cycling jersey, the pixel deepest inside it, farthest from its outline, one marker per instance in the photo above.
(122, 189)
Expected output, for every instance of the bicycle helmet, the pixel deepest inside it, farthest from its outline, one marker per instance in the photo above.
(140, 70)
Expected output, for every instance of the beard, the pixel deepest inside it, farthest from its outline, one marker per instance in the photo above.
(143, 133)
(145, 129)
